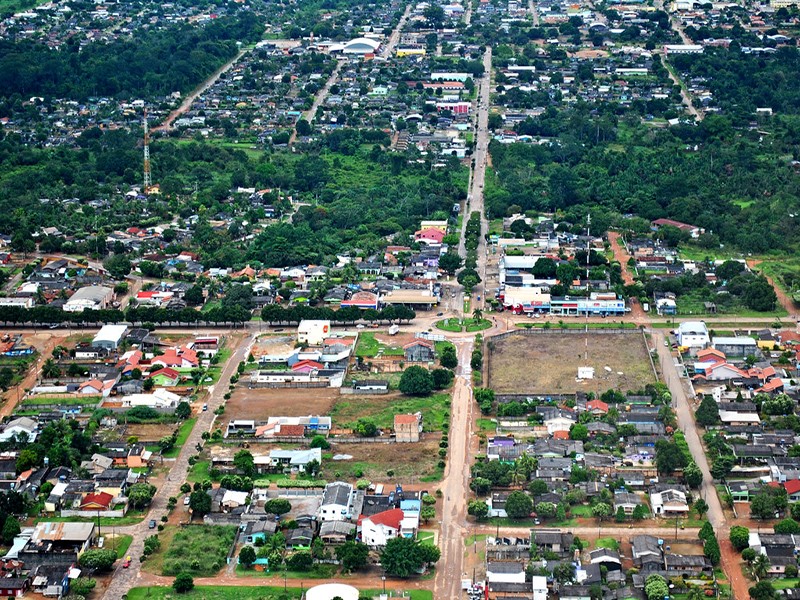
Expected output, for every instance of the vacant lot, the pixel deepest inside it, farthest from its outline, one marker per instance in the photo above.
(196, 549)
(413, 463)
(382, 409)
(148, 432)
(261, 403)
(547, 362)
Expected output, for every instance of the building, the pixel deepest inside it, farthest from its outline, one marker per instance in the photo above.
(329, 591)
(92, 297)
(378, 529)
(294, 459)
(419, 351)
(110, 337)
(693, 335)
(337, 502)
(361, 46)
(407, 428)
(313, 331)
(669, 503)
(682, 49)
(736, 346)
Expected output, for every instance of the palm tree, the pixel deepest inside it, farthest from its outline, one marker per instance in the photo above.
(477, 314)
(761, 566)
(50, 369)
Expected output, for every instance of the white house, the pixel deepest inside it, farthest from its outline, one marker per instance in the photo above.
(337, 502)
(505, 572)
(669, 503)
(693, 335)
(378, 529)
(313, 331)
(539, 587)
(295, 459)
(160, 398)
(20, 426)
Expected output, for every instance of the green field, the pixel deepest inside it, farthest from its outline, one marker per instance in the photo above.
(369, 347)
(459, 325)
(199, 550)
(199, 471)
(434, 408)
(262, 592)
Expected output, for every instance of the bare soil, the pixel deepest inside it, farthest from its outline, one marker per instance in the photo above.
(149, 432)
(547, 363)
(261, 403)
(409, 462)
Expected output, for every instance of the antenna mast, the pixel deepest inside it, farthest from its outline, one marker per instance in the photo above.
(148, 178)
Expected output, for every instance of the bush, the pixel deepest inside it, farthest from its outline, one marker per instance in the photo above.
(416, 381)
(183, 583)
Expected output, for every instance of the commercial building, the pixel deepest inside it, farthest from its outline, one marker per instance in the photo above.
(92, 297)
(109, 336)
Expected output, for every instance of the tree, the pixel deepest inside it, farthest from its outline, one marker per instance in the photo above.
(692, 475)
(478, 509)
(319, 441)
(365, 428)
(200, 503)
(194, 295)
(711, 550)
(427, 514)
(302, 127)
(748, 555)
(787, 526)
(708, 412)
(50, 369)
(450, 262)
(403, 557)
(183, 410)
(11, 530)
(706, 531)
(352, 555)
(118, 266)
(278, 506)
(601, 510)
(519, 505)
(761, 565)
(619, 517)
(740, 537)
(300, 561)
(244, 462)
(247, 556)
(97, 560)
(538, 487)
(442, 378)
(416, 381)
(656, 588)
(546, 510)
(701, 507)
(579, 431)
(669, 457)
(763, 590)
(82, 586)
(141, 494)
(183, 583)
(564, 572)
(448, 358)
(639, 512)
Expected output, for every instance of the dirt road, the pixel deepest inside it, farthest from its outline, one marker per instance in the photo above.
(783, 298)
(44, 344)
(454, 487)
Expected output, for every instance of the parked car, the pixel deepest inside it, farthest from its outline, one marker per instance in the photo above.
(186, 500)
(152, 524)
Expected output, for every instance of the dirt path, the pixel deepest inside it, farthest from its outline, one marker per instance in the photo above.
(783, 298)
(622, 257)
(44, 344)
(187, 102)
(732, 565)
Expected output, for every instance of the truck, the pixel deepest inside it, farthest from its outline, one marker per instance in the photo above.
(394, 329)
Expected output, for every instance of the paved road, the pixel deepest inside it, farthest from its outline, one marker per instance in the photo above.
(394, 38)
(124, 579)
(311, 113)
(456, 480)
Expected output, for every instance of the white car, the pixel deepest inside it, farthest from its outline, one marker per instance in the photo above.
(186, 501)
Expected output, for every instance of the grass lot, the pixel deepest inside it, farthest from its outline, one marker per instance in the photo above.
(65, 401)
(132, 518)
(426, 537)
(316, 572)
(692, 304)
(608, 542)
(458, 325)
(196, 549)
(486, 425)
(120, 544)
(785, 583)
(183, 435)
(581, 510)
(620, 361)
(369, 347)
(381, 410)
(199, 471)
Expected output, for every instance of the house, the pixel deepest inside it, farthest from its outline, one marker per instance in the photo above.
(294, 459)
(299, 538)
(694, 564)
(430, 236)
(740, 346)
(57, 543)
(371, 385)
(692, 230)
(419, 351)
(91, 297)
(313, 331)
(109, 337)
(606, 557)
(255, 530)
(553, 540)
(166, 377)
(20, 428)
(627, 501)
(336, 532)
(792, 488)
(505, 572)
(96, 501)
(232, 499)
(407, 428)
(177, 358)
(647, 553)
(597, 407)
(337, 502)
(669, 503)
(693, 335)
(378, 529)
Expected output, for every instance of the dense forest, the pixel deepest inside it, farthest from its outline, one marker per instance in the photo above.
(123, 68)
(740, 187)
(742, 82)
(356, 195)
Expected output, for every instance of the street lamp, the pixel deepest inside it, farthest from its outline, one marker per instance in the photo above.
(383, 578)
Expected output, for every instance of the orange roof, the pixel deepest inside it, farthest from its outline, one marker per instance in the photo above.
(405, 420)
(292, 431)
(98, 498)
(710, 352)
(597, 404)
(561, 435)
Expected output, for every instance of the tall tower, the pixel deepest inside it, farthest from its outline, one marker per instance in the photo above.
(148, 178)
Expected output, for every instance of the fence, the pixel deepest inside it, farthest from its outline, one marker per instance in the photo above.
(362, 392)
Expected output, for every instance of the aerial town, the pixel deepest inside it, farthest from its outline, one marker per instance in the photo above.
(462, 299)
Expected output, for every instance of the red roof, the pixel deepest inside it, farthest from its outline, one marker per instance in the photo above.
(673, 223)
(597, 405)
(425, 343)
(792, 486)
(406, 420)
(772, 385)
(292, 431)
(307, 364)
(98, 499)
(561, 435)
(388, 518)
(166, 372)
